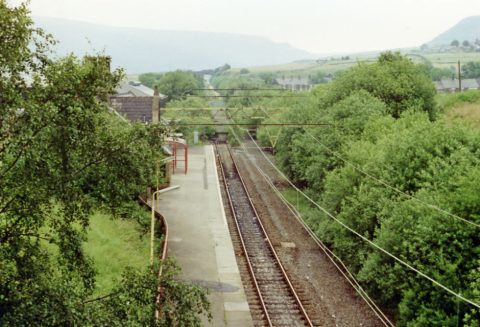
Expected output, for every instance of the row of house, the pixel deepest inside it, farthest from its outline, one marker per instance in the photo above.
(445, 85)
(294, 83)
(453, 85)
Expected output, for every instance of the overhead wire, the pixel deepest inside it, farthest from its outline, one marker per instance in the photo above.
(380, 181)
(241, 89)
(330, 255)
(402, 262)
(357, 168)
(246, 96)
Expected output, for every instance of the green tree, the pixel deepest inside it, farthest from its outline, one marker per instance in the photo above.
(150, 79)
(471, 69)
(429, 159)
(455, 43)
(466, 44)
(318, 77)
(433, 162)
(179, 84)
(309, 164)
(267, 77)
(62, 155)
(134, 301)
(394, 79)
(436, 73)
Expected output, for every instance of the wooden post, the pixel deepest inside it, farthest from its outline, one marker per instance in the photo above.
(459, 78)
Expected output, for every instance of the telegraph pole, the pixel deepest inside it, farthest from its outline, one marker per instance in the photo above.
(459, 78)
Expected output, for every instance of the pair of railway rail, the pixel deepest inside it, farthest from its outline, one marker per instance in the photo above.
(279, 302)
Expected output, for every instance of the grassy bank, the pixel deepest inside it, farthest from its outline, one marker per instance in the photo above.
(461, 107)
(114, 244)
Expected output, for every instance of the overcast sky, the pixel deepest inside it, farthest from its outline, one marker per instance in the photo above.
(318, 26)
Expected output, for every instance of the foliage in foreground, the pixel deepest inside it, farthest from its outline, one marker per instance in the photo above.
(133, 301)
(62, 156)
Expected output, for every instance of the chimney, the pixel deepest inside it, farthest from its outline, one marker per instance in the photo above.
(155, 106)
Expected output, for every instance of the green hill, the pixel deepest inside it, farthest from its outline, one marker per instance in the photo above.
(467, 29)
(145, 50)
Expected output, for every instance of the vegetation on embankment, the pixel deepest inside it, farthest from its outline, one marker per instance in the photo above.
(387, 124)
(63, 157)
(461, 108)
(115, 244)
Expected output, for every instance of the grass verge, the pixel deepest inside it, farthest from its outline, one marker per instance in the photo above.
(114, 244)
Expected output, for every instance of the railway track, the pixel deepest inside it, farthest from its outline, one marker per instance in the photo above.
(277, 303)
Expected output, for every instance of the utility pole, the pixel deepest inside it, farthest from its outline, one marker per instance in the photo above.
(459, 78)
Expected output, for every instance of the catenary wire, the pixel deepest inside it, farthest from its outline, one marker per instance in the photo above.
(395, 189)
(378, 180)
(351, 279)
(458, 295)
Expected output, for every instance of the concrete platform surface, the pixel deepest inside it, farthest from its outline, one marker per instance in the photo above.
(199, 238)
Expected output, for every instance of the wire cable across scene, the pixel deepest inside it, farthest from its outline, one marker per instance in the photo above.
(402, 262)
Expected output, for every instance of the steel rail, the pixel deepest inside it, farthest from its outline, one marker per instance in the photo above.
(267, 239)
(341, 267)
(336, 261)
(292, 289)
(250, 267)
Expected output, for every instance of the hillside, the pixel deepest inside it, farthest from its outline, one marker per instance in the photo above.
(143, 50)
(467, 29)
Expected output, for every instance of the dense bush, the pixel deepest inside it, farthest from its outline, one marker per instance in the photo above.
(427, 160)
(382, 115)
(179, 84)
(394, 79)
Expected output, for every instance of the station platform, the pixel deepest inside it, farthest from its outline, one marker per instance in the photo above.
(200, 241)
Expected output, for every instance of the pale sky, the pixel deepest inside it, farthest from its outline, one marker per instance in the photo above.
(318, 26)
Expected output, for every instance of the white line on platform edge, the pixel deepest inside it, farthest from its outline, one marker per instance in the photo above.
(218, 187)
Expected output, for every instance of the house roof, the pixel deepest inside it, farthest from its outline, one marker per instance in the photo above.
(452, 84)
(134, 108)
(293, 81)
(470, 83)
(135, 89)
(439, 85)
(449, 84)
